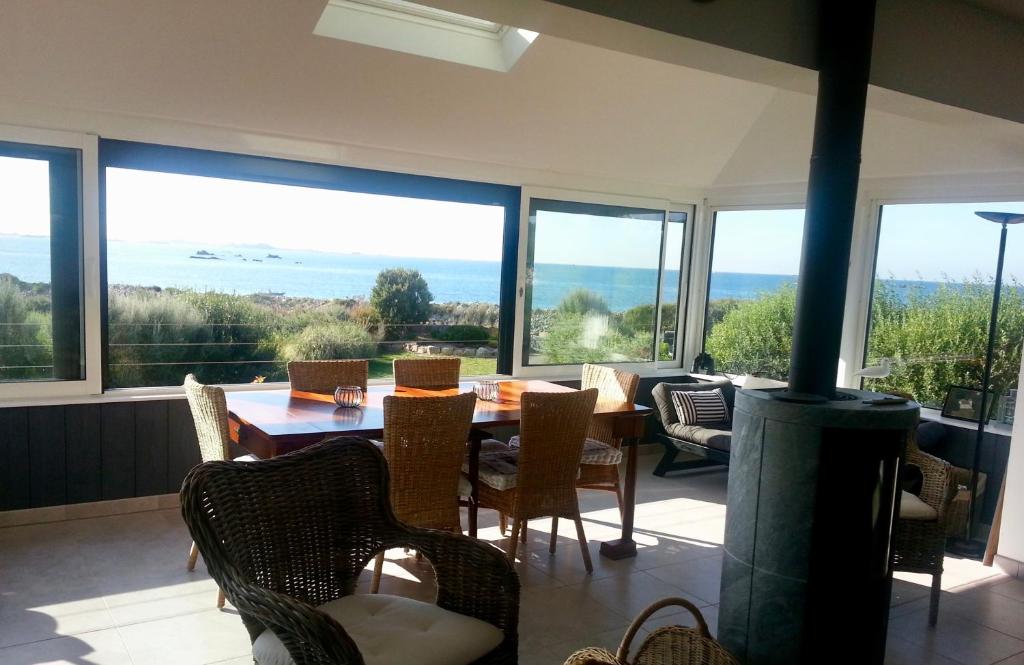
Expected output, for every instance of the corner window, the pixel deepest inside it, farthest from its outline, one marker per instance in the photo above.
(603, 283)
(41, 281)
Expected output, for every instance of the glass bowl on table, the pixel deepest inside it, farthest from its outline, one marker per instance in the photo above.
(348, 396)
(487, 390)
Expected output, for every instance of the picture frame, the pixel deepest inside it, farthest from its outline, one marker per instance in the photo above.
(964, 403)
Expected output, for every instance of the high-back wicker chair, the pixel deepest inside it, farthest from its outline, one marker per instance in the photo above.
(668, 645)
(209, 409)
(538, 479)
(599, 465)
(323, 376)
(288, 537)
(427, 372)
(424, 444)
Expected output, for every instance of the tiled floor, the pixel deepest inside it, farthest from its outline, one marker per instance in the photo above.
(114, 590)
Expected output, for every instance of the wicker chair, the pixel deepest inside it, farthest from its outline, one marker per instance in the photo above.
(539, 478)
(919, 539)
(599, 466)
(427, 372)
(424, 443)
(323, 376)
(668, 645)
(287, 539)
(210, 412)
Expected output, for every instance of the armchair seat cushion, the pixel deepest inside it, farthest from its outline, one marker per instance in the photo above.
(391, 629)
(499, 470)
(717, 436)
(913, 509)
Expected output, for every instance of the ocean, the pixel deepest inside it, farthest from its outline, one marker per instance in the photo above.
(248, 269)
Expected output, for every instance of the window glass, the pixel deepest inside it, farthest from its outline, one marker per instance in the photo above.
(932, 300)
(40, 264)
(591, 283)
(672, 286)
(230, 279)
(748, 325)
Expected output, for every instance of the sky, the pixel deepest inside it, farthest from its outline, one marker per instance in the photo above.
(933, 242)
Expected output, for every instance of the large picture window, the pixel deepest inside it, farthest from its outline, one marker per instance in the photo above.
(603, 283)
(41, 292)
(230, 278)
(932, 298)
(748, 322)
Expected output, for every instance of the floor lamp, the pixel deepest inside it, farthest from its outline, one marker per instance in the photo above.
(967, 546)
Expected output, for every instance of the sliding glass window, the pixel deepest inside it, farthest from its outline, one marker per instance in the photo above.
(603, 283)
(41, 283)
(231, 272)
(748, 321)
(932, 299)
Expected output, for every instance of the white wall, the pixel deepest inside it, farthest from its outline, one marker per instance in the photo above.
(1011, 536)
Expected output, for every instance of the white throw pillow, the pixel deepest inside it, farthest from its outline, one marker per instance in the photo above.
(700, 407)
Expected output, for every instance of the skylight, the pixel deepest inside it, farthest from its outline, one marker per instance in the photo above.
(420, 30)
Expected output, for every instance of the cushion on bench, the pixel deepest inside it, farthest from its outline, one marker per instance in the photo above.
(717, 436)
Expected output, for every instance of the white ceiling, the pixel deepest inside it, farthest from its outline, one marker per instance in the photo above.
(255, 66)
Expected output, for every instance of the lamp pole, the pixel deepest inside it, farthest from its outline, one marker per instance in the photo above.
(967, 546)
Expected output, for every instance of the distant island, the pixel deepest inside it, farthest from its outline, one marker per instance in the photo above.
(203, 252)
(207, 257)
(273, 256)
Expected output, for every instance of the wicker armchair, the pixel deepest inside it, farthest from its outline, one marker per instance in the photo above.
(668, 645)
(287, 539)
(599, 465)
(539, 478)
(427, 372)
(210, 412)
(323, 376)
(424, 444)
(919, 541)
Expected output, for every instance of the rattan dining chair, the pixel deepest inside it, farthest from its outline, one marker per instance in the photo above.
(667, 645)
(323, 376)
(602, 451)
(427, 372)
(210, 412)
(424, 444)
(538, 479)
(287, 538)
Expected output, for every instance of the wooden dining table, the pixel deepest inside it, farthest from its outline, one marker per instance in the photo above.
(268, 423)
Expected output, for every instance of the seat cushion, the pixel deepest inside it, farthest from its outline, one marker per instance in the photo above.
(717, 436)
(700, 407)
(246, 458)
(499, 470)
(495, 446)
(465, 487)
(390, 629)
(914, 509)
(599, 452)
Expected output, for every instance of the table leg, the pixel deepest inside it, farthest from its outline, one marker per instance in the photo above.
(624, 547)
(474, 478)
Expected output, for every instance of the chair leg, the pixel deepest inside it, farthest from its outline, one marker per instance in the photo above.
(933, 606)
(220, 599)
(554, 535)
(522, 532)
(193, 554)
(513, 543)
(584, 546)
(378, 569)
(503, 523)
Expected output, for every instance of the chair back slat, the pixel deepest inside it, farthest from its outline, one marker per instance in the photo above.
(612, 386)
(427, 372)
(323, 376)
(210, 413)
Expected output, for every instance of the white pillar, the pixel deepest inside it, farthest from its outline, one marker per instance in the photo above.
(1011, 535)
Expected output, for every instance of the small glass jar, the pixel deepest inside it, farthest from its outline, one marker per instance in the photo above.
(486, 390)
(348, 396)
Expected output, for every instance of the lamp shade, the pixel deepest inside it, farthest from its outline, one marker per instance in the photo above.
(1001, 217)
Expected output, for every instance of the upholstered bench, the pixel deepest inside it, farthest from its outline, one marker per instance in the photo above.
(710, 442)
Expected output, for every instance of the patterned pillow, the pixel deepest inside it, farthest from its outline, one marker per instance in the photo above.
(700, 407)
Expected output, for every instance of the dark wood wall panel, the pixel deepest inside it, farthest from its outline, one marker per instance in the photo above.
(15, 486)
(182, 449)
(83, 436)
(117, 450)
(47, 456)
(151, 448)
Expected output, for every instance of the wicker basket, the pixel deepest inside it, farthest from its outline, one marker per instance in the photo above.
(668, 645)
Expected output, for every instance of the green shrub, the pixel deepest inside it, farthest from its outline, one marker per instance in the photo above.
(462, 333)
(401, 295)
(25, 339)
(755, 336)
(329, 341)
(582, 301)
(638, 319)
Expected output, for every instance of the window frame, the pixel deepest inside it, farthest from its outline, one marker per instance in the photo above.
(315, 175)
(91, 383)
(574, 196)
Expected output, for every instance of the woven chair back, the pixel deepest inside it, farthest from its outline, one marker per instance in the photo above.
(424, 443)
(427, 372)
(323, 376)
(210, 413)
(551, 433)
(612, 386)
(303, 524)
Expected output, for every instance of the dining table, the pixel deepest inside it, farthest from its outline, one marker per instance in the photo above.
(275, 422)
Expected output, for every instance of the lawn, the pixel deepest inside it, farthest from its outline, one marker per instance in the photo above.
(380, 367)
